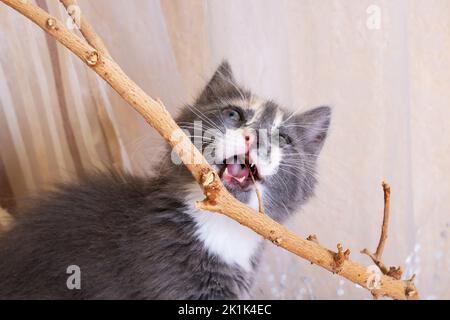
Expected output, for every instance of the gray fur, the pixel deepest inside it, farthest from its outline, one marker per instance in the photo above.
(132, 236)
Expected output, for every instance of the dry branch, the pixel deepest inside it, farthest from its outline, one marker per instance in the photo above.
(384, 226)
(395, 272)
(258, 194)
(218, 199)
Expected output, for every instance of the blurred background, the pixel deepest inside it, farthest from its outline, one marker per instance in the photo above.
(384, 67)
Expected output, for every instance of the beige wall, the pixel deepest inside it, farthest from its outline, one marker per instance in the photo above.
(389, 89)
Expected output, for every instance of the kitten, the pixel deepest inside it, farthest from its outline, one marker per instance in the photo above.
(142, 238)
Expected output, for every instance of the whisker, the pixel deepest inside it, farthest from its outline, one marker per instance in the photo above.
(202, 116)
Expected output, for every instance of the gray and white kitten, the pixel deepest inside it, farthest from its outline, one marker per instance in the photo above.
(142, 238)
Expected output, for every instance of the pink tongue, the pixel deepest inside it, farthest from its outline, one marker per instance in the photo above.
(237, 171)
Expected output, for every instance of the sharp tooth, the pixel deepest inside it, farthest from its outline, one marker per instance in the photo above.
(242, 179)
(252, 165)
(225, 173)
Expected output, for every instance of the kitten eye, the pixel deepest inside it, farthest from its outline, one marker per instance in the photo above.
(232, 114)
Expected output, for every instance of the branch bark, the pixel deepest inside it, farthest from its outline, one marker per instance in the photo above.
(218, 199)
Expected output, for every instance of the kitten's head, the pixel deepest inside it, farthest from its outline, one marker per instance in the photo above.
(249, 141)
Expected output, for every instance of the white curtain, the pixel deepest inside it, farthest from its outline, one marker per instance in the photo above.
(383, 66)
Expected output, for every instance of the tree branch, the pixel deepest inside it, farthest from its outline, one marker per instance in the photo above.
(384, 226)
(218, 199)
(395, 272)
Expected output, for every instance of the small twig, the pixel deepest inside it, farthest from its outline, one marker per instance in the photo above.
(384, 226)
(375, 260)
(376, 257)
(258, 194)
(411, 291)
(340, 257)
(395, 272)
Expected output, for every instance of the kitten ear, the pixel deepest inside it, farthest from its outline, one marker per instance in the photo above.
(314, 127)
(221, 81)
(223, 73)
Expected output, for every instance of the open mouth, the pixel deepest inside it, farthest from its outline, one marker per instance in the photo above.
(239, 172)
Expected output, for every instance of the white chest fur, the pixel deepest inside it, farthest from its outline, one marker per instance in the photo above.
(222, 236)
